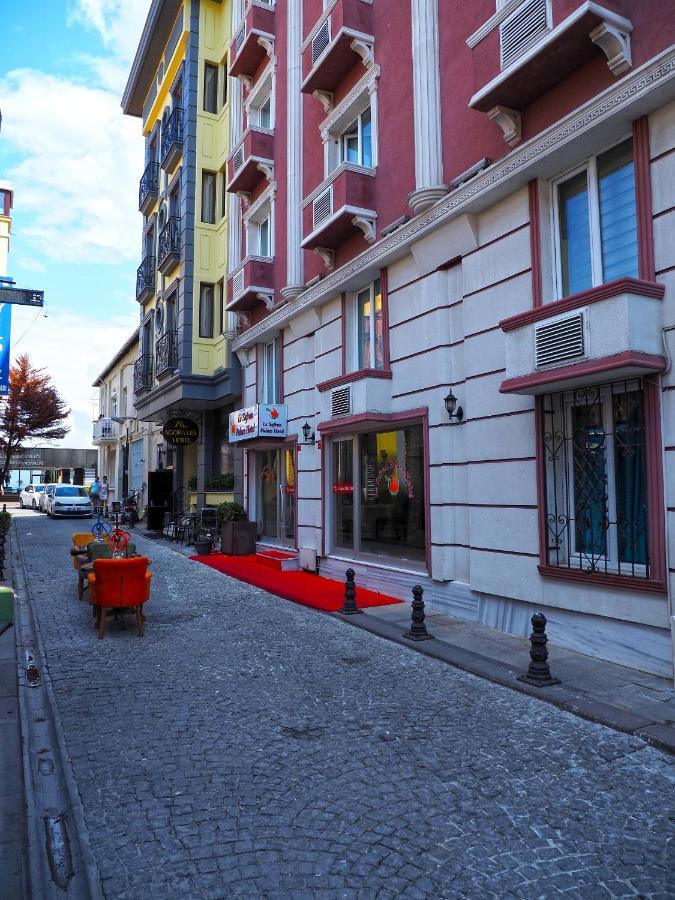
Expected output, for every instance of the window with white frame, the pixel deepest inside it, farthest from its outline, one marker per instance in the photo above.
(206, 311)
(261, 115)
(594, 443)
(356, 142)
(269, 371)
(595, 225)
(260, 101)
(365, 329)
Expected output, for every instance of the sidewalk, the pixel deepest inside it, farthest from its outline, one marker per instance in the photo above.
(622, 698)
(12, 818)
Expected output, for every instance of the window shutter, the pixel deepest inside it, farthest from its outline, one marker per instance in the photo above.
(522, 29)
(559, 341)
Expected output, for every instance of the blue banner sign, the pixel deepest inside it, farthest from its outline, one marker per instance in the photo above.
(5, 329)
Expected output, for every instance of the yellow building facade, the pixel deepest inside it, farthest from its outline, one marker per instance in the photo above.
(178, 87)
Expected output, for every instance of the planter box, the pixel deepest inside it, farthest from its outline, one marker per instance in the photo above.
(203, 548)
(238, 538)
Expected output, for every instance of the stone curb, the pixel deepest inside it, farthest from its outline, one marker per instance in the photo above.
(85, 883)
(657, 734)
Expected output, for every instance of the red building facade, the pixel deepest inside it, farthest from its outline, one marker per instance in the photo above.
(454, 271)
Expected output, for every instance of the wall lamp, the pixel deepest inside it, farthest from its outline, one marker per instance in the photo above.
(451, 405)
(308, 434)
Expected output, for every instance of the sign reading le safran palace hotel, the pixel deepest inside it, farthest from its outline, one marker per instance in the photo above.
(410, 268)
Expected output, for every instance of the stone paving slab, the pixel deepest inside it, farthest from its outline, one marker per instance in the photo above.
(250, 747)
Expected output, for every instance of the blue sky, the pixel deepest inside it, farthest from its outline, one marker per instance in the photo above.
(74, 162)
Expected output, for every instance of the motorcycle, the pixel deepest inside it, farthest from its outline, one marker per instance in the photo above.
(129, 513)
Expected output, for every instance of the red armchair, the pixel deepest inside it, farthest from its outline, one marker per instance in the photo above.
(120, 584)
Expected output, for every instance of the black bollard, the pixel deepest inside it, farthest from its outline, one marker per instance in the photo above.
(538, 673)
(418, 630)
(350, 608)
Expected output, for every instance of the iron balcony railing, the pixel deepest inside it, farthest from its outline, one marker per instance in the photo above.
(145, 276)
(166, 353)
(149, 183)
(143, 373)
(169, 240)
(172, 133)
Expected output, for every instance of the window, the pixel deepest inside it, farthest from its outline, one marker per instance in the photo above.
(223, 193)
(263, 234)
(210, 88)
(357, 141)
(377, 494)
(221, 306)
(209, 180)
(596, 486)
(265, 113)
(269, 370)
(206, 311)
(365, 334)
(597, 222)
(225, 69)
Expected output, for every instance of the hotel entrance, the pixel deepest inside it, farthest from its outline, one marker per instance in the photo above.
(276, 496)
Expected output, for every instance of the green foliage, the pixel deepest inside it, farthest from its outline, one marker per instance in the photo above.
(192, 483)
(223, 482)
(229, 511)
(5, 521)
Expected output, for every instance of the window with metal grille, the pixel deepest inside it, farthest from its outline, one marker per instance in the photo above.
(523, 28)
(596, 485)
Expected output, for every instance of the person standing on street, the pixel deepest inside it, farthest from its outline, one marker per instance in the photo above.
(103, 494)
(95, 493)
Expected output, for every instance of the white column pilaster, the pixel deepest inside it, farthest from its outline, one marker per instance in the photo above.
(294, 278)
(429, 186)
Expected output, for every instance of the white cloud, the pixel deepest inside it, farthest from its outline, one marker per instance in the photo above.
(73, 349)
(81, 160)
(118, 22)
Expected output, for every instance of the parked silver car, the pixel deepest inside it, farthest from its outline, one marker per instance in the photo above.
(29, 498)
(42, 502)
(68, 500)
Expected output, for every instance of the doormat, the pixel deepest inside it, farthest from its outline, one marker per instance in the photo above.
(300, 587)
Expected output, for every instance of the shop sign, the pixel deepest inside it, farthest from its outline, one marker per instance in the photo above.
(289, 489)
(262, 420)
(180, 432)
(343, 487)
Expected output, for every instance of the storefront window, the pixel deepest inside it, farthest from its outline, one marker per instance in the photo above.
(378, 494)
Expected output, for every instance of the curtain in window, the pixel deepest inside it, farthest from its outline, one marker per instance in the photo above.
(206, 311)
(629, 464)
(575, 236)
(209, 197)
(210, 88)
(590, 481)
(364, 325)
(618, 219)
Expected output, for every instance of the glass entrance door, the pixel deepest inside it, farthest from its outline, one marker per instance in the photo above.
(277, 496)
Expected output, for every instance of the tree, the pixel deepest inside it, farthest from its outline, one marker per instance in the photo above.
(32, 410)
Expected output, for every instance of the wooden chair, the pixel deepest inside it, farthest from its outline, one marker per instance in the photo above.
(122, 584)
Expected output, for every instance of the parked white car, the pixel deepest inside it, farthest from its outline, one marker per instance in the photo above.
(42, 502)
(68, 500)
(29, 498)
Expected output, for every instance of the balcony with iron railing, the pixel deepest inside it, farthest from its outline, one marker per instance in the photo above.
(105, 431)
(250, 161)
(148, 188)
(145, 279)
(253, 40)
(143, 377)
(172, 139)
(169, 246)
(340, 207)
(166, 354)
(523, 51)
(341, 38)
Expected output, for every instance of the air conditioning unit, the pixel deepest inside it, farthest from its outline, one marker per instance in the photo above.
(523, 28)
(322, 207)
(341, 402)
(238, 283)
(559, 341)
(321, 40)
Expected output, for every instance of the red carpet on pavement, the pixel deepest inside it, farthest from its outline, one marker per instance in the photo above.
(300, 587)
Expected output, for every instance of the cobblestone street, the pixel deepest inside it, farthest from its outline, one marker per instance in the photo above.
(251, 747)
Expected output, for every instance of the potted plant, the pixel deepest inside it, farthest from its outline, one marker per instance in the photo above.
(203, 542)
(237, 534)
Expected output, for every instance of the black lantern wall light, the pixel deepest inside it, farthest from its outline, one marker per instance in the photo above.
(308, 434)
(454, 411)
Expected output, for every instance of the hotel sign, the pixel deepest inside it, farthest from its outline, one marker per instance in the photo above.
(266, 420)
(180, 432)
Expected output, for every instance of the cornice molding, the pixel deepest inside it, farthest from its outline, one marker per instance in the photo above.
(633, 87)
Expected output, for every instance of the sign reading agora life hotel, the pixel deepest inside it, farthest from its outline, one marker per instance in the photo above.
(262, 420)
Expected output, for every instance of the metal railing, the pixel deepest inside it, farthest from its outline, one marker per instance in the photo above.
(104, 429)
(149, 183)
(172, 133)
(169, 240)
(166, 353)
(143, 373)
(145, 276)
